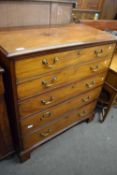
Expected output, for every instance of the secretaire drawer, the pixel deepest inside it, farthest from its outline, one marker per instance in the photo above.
(34, 66)
(63, 122)
(56, 79)
(35, 121)
(56, 96)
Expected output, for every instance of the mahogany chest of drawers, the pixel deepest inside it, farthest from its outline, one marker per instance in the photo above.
(54, 77)
(6, 145)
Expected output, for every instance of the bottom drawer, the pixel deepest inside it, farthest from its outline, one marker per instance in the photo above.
(55, 127)
(33, 122)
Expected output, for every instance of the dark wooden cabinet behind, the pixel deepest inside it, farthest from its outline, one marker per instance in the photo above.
(6, 147)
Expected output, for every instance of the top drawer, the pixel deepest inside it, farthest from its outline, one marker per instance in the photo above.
(34, 66)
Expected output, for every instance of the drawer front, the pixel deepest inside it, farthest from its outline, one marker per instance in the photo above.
(56, 96)
(46, 132)
(53, 80)
(34, 66)
(30, 123)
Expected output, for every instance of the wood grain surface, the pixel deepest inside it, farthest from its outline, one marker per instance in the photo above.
(54, 127)
(59, 78)
(38, 65)
(40, 119)
(58, 96)
(24, 41)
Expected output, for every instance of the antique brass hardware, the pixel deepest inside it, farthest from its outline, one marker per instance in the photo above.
(46, 115)
(91, 84)
(99, 52)
(86, 99)
(45, 62)
(56, 59)
(94, 68)
(44, 102)
(45, 134)
(46, 84)
(82, 114)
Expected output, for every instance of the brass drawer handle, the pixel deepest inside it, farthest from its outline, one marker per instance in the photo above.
(46, 115)
(84, 100)
(44, 102)
(99, 52)
(91, 84)
(47, 133)
(94, 68)
(83, 113)
(45, 62)
(46, 84)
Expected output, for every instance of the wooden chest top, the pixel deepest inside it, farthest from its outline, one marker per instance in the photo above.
(15, 42)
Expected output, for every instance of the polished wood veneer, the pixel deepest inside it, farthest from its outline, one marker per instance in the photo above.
(54, 77)
(47, 63)
(49, 39)
(58, 78)
(48, 115)
(74, 116)
(41, 102)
